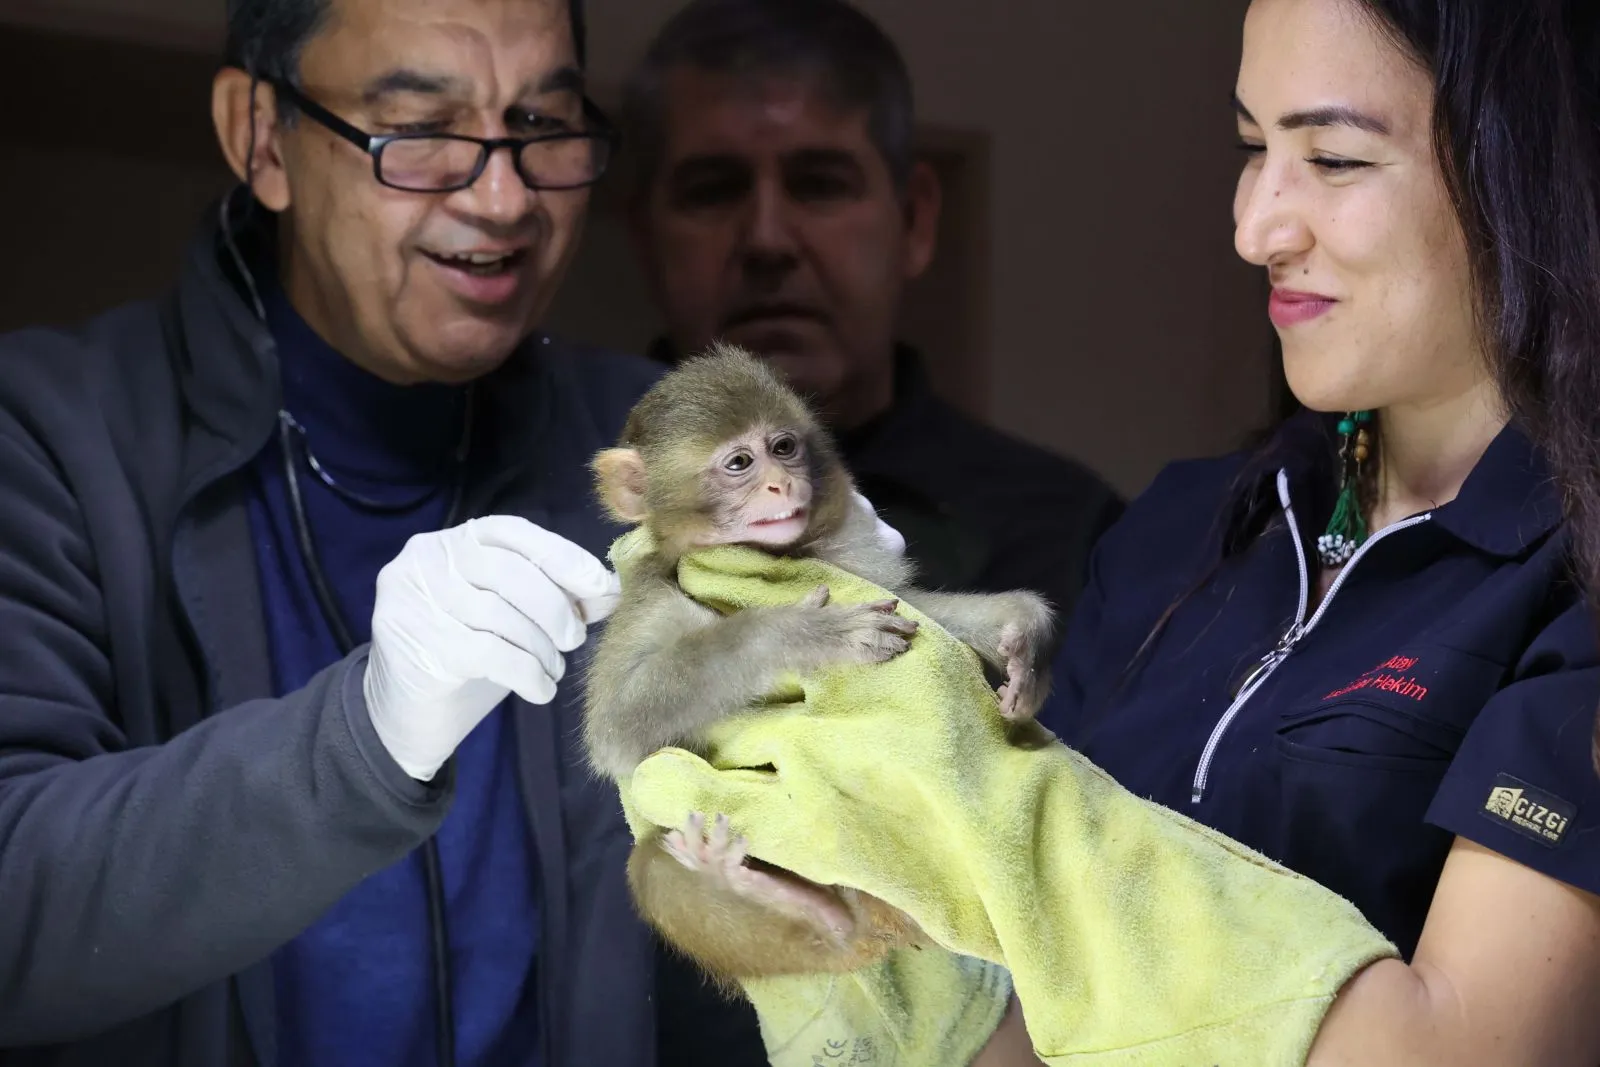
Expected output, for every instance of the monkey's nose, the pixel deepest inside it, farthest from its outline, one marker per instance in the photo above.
(773, 487)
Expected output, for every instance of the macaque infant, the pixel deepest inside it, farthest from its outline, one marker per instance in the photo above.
(721, 452)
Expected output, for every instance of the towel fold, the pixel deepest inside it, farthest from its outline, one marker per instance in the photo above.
(1133, 934)
(919, 1007)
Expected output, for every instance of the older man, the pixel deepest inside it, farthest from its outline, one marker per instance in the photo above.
(271, 787)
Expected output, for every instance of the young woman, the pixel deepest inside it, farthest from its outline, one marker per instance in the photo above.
(1359, 650)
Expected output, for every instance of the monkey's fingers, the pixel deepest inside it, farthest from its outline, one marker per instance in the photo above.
(1010, 640)
(695, 826)
(817, 598)
(1017, 696)
(897, 624)
(738, 849)
(719, 834)
(681, 849)
(885, 606)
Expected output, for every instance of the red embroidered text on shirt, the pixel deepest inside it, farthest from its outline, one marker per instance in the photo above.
(1388, 677)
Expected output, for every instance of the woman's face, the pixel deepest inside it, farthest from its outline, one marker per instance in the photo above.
(1343, 201)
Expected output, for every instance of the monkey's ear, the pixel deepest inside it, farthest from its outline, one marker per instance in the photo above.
(619, 478)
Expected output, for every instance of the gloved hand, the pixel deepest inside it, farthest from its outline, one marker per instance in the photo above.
(888, 536)
(465, 616)
(1132, 934)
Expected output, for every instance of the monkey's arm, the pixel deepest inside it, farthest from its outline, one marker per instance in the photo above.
(1011, 632)
(982, 619)
(667, 668)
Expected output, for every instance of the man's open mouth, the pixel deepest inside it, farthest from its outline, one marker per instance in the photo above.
(482, 264)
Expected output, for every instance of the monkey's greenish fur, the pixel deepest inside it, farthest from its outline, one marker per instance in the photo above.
(709, 400)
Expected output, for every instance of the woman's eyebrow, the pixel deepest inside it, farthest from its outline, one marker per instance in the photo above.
(1332, 115)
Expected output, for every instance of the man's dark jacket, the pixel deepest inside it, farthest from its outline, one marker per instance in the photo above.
(165, 824)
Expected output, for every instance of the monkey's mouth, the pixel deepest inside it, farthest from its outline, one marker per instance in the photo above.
(775, 520)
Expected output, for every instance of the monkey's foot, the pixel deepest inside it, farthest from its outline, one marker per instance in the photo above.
(720, 859)
(1019, 697)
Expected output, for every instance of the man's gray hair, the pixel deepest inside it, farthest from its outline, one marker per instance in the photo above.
(266, 37)
(852, 60)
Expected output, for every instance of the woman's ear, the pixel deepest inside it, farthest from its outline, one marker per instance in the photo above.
(245, 113)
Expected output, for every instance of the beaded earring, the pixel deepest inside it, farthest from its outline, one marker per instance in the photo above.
(1347, 529)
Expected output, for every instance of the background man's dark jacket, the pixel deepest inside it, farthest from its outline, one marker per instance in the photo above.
(165, 824)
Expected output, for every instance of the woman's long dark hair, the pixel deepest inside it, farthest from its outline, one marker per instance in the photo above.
(1517, 132)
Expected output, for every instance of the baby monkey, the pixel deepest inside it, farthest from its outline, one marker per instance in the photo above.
(722, 452)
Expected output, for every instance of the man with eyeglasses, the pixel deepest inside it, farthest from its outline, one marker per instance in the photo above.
(286, 556)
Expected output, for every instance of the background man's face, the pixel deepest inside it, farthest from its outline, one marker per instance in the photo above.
(772, 221)
(384, 274)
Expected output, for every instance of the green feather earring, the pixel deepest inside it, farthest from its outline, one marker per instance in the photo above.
(1347, 529)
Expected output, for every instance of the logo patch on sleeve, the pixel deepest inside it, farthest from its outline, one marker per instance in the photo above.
(1530, 812)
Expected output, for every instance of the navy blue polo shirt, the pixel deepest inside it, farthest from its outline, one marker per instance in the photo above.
(1446, 685)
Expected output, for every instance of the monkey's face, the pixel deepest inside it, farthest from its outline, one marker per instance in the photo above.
(758, 489)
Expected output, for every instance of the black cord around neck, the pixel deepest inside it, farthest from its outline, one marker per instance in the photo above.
(433, 872)
(290, 428)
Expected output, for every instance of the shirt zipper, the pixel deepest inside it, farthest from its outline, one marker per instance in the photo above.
(1296, 632)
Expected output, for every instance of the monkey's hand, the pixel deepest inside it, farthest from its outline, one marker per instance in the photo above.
(856, 633)
(719, 858)
(1025, 648)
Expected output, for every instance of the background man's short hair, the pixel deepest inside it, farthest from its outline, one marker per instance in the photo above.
(848, 55)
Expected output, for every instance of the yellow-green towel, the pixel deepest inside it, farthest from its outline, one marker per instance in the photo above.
(920, 1007)
(1133, 935)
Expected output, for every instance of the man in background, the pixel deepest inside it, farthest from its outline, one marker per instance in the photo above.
(777, 204)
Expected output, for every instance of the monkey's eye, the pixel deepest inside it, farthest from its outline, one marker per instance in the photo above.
(785, 447)
(738, 462)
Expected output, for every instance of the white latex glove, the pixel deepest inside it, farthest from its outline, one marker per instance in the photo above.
(465, 616)
(888, 536)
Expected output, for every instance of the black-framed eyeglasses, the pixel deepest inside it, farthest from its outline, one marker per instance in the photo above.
(447, 162)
